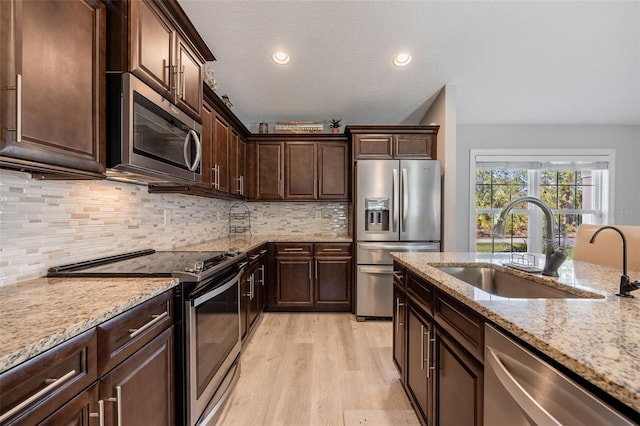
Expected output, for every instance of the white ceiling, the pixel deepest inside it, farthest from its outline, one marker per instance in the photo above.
(536, 62)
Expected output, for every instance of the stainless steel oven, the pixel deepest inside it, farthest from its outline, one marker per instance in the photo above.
(148, 138)
(212, 344)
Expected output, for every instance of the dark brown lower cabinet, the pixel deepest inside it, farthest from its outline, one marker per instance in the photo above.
(83, 410)
(141, 388)
(459, 383)
(419, 384)
(332, 275)
(293, 285)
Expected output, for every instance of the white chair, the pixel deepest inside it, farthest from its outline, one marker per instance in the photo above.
(607, 249)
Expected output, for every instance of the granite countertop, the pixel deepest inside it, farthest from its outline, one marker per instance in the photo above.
(598, 338)
(250, 242)
(39, 314)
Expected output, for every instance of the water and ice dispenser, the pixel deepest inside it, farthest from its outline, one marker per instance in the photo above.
(376, 212)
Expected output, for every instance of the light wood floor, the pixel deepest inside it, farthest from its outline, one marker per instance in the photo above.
(318, 369)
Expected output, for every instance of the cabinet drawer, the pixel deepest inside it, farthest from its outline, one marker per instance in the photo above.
(121, 336)
(255, 254)
(46, 382)
(459, 321)
(420, 291)
(294, 249)
(332, 249)
(399, 273)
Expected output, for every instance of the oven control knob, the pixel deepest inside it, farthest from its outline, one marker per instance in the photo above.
(197, 266)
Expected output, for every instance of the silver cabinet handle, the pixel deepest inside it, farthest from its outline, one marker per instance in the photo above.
(293, 249)
(174, 82)
(397, 275)
(262, 275)
(310, 267)
(331, 249)
(184, 83)
(52, 385)
(241, 185)
(263, 251)
(252, 287)
(100, 413)
(429, 341)
(254, 257)
(316, 268)
(133, 332)
(118, 401)
(398, 304)
(527, 403)
(421, 347)
(18, 107)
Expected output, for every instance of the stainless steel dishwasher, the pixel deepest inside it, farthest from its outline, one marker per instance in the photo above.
(522, 389)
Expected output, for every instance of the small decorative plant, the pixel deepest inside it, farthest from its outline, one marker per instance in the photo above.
(334, 124)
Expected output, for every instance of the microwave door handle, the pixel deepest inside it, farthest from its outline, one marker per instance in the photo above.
(194, 166)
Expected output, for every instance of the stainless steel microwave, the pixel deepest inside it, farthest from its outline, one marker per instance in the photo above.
(149, 140)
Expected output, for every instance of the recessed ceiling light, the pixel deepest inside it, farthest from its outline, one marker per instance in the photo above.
(402, 59)
(280, 57)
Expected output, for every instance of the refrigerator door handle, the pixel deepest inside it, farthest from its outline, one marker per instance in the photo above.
(374, 270)
(404, 198)
(395, 201)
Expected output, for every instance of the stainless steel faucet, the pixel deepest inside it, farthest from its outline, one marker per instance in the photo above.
(626, 285)
(554, 256)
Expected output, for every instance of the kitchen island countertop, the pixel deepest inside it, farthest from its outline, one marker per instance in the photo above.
(597, 338)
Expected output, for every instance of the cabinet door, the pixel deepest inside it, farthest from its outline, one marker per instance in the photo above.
(142, 386)
(189, 83)
(333, 282)
(245, 284)
(253, 301)
(333, 170)
(82, 410)
(206, 138)
(221, 154)
(419, 363)
(399, 329)
(373, 146)
(52, 85)
(242, 166)
(414, 146)
(269, 179)
(293, 282)
(152, 48)
(459, 384)
(300, 170)
(236, 164)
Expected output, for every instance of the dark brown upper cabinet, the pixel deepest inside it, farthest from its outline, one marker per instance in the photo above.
(303, 167)
(386, 142)
(52, 86)
(157, 42)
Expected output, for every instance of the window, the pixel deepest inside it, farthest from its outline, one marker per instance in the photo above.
(575, 187)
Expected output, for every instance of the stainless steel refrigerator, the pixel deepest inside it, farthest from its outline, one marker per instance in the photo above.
(398, 207)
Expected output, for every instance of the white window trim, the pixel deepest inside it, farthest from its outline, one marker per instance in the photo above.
(514, 154)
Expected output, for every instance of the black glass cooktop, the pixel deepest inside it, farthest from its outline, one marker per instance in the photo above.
(145, 263)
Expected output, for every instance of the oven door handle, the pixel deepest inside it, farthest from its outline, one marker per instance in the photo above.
(217, 291)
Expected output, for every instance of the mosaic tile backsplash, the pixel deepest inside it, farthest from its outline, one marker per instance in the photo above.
(49, 223)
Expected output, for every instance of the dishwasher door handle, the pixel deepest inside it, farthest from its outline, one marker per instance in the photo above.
(525, 401)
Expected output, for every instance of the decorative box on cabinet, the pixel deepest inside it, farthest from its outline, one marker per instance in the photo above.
(53, 114)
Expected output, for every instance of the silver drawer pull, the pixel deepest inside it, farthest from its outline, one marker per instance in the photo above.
(294, 249)
(331, 249)
(133, 332)
(118, 401)
(255, 256)
(53, 384)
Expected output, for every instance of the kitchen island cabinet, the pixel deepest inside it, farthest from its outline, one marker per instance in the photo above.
(576, 336)
(52, 82)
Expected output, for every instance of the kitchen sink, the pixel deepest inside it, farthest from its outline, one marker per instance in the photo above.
(504, 284)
